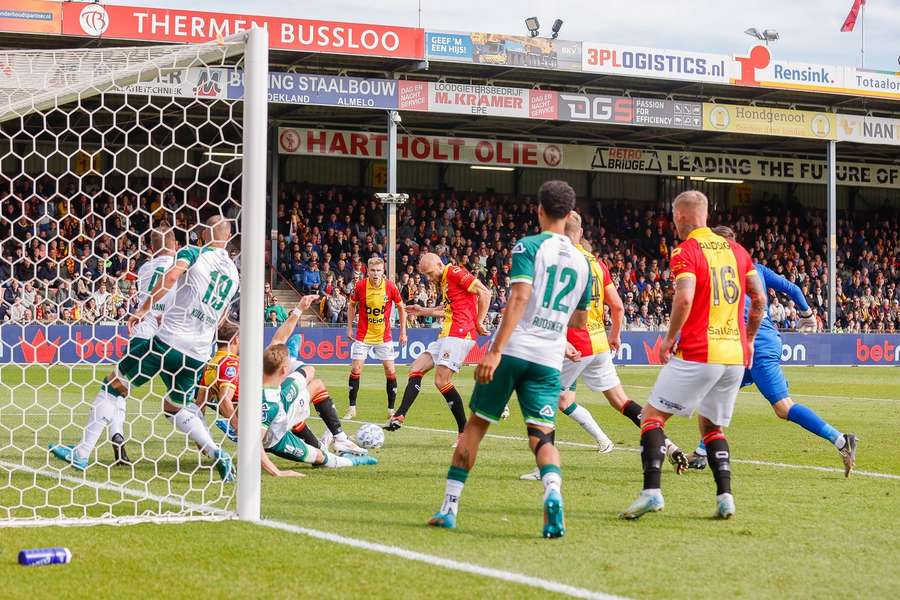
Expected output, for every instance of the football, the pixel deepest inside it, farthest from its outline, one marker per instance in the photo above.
(370, 436)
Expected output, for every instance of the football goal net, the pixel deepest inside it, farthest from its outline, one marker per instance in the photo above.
(115, 165)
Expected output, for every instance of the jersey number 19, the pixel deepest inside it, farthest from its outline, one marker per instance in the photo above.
(217, 291)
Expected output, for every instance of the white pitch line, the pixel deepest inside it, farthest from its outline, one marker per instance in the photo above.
(219, 514)
(445, 563)
(746, 461)
(180, 503)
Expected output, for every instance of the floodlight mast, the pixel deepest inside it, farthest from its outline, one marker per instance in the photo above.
(392, 200)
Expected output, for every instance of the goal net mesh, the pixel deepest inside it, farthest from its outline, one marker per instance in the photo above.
(97, 148)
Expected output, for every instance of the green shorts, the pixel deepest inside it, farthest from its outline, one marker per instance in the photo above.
(147, 358)
(290, 447)
(536, 386)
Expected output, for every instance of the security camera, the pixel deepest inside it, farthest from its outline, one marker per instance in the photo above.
(395, 117)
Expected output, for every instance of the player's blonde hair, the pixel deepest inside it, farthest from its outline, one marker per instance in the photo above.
(274, 357)
(375, 260)
(691, 200)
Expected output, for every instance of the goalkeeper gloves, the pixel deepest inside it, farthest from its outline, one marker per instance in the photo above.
(807, 322)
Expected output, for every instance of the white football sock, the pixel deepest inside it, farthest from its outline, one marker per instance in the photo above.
(103, 411)
(583, 417)
(333, 461)
(451, 496)
(341, 437)
(117, 426)
(552, 481)
(188, 420)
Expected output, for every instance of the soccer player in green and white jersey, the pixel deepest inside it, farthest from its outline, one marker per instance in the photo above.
(163, 245)
(285, 404)
(551, 290)
(205, 281)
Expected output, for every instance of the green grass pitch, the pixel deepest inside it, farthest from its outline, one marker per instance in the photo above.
(798, 532)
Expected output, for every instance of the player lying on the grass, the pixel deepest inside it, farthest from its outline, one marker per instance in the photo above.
(769, 378)
(221, 385)
(551, 289)
(205, 280)
(285, 405)
(714, 344)
(589, 354)
(465, 304)
(374, 296)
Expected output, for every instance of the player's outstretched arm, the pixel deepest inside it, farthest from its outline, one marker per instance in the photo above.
(616, 314)
(681, 308)
(351, 316)
(287, 328)
(401, 314)
(484, 302)
(269, 467)
(774, 281)
(757, 304)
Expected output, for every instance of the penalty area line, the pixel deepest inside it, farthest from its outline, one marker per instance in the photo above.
(745, 461)
(444, 563)
(218, 515)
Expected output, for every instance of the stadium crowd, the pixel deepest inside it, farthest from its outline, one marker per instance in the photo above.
(72, 258)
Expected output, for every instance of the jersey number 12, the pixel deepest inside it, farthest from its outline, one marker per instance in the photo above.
(567, 277)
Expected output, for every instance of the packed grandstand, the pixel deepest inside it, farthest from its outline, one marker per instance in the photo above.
(68, 258)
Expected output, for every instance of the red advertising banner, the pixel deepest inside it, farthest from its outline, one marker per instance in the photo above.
(188, 26)
(471, 151)
(30, 16)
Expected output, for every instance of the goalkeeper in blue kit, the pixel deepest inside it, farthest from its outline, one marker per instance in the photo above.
(769, 378)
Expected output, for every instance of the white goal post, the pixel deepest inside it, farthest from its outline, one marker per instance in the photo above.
(102, 150)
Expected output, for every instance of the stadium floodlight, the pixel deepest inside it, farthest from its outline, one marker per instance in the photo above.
(533, 26)
(767, 35)
(89, 115)
(716, 180)
(388, 198)
(557, 25)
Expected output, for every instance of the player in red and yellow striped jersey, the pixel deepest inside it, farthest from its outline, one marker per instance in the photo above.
(465, 305)
(220, 382)
(589, 355)
(712, 275)
(374, 298)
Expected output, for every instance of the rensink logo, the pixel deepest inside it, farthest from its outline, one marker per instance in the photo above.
(884, 352)
(94, 20)
(759, 58)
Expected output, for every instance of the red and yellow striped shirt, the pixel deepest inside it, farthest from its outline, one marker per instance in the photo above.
(460, 304)
(592, 338)
(715, 331)
(374, 309)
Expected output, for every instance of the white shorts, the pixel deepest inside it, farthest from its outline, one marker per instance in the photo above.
(684, 386)
(597, 371)
(383, 351)
(450, 352)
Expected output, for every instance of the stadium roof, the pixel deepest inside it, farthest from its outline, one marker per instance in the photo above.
(546, 130)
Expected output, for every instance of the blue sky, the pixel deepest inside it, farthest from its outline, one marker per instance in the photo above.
(810, 29)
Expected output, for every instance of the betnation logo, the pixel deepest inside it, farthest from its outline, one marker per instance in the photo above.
(875, 353)
(94, 20)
